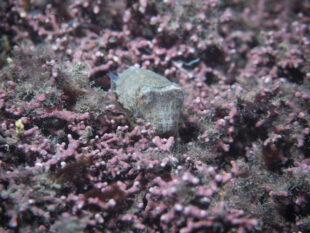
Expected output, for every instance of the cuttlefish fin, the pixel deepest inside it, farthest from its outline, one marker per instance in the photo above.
(113, 77)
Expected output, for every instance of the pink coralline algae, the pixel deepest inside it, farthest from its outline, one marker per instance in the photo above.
(73, 160)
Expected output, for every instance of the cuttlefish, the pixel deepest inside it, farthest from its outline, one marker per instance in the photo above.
(150, 97)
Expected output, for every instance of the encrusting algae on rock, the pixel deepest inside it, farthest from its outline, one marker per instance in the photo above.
(151, 97)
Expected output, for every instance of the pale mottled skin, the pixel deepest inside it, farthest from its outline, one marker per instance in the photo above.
(152, 97)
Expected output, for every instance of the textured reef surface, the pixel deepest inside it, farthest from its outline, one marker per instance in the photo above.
(73, 160)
